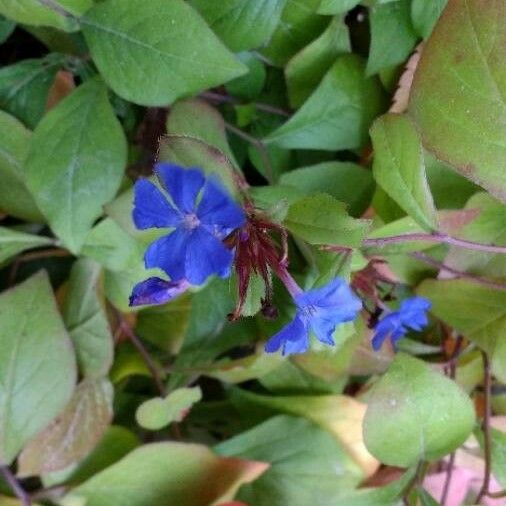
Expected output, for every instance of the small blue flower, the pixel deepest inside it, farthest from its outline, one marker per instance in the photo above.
(410, 315)
(319, 310)
(157, 291)
(202, 214)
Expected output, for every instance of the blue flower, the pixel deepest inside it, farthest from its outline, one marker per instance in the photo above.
(319, 310)
(410, 315)
(157, 291)
(202, 215)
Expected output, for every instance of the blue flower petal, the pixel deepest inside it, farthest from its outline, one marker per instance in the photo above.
(384, 328)
(151, 208)
(323, 329)
(335, 301)
(205, 256)
(183, 185)
(156, 291)
(169, 254)
(292, 338)
(217, 209)
(415, 305)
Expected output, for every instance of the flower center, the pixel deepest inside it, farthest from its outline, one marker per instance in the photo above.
(190, 221)
(308, 311)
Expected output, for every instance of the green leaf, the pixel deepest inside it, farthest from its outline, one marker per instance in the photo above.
(336, 6)
(415, 413)
(477, 312)
(149, 52)
(392, 35)
(34, 12)
(192, 152)
(73, 434)
(338, 113)
(13, 242)
(197, 119)
(399, 167)
(488, 228)
(299, 25)
(157, 413)
(321, 219)
(6, 28)
(248, 86)
(232, 20)
(76, 162)
(307, 465)
(457, 96)
(37, 364)
(24, 87)
(425, 14)
(15, 142)
(166, 474)
(86, 320)
(348, 182)
(306, 69)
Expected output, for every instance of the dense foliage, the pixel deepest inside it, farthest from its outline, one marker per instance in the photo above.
(252, 252)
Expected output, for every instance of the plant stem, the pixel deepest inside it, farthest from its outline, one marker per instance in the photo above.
(15, 486)
(218, 97)
(152, 367)
(487, 443)
(56, 8)
(434, 237)
(449, 473)
(441, 266)
(497, 495)
(260, 147)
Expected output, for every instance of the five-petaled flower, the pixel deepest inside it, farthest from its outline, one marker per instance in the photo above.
(410, 315)
(202, 215)
(319, 310)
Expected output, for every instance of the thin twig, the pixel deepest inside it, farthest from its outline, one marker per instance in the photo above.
(218, 97)
(449, 473)
(150, 364)
(497, 495)
(441, 266)
(434, 237)
(15, 486)
(487, 443)
(34, 255)
(259, 145)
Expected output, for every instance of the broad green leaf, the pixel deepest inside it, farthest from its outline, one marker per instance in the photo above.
(392, 35)
(6, 28)
(157, 413)
(477, 312)
(340, 415)
(321, 219)
(192, 152)
(449, 189)
(399, 167)
(165, 325)
(415, 413)
(76, 162)
(73, 434)
(233, 20)
(457, 96)
(298, 26)
(34, 12)
(37, 363)
(197, 119)
(15, 142)
(13, 242)
(248, 86)
(336, 6)
(348, 182)
(499, 456)
(115, 444)
(85, 318)
(167, 474)
(149, 52)
(305, 70)
(307, 465)
(24, 87)
(338, 113)
(425, 14)
(488, 228)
